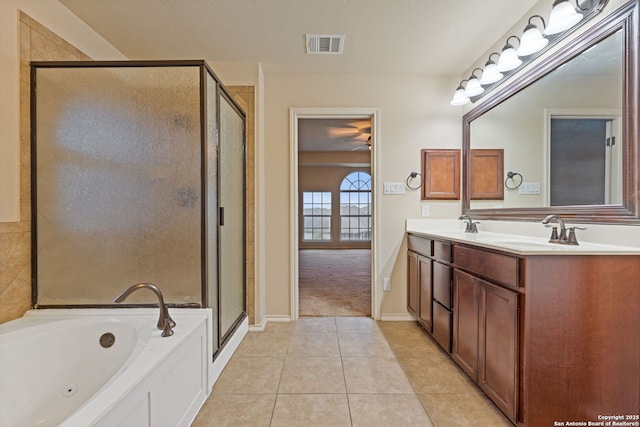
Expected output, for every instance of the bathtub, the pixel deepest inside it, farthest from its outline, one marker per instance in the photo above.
(103, 367)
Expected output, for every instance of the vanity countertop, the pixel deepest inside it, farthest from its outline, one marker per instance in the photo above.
(520, 244)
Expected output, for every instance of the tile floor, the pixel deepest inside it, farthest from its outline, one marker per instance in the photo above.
(344, 371)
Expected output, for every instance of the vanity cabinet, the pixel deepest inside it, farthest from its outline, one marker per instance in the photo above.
(485, 336)
(429, 291)
(547, 336)
(419, 279)
(441, 280)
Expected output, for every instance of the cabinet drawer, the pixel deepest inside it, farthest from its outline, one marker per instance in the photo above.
(442, 326)
(442, 284)
(498, 267)
(420, 245)
(442, 251)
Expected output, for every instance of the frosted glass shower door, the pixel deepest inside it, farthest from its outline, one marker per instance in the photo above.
(232, 305)
(118, 183)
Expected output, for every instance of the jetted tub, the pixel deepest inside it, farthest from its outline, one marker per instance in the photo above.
(103, 367)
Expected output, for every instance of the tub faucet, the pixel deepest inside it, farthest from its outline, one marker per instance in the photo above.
(165, 322)
(472, 227)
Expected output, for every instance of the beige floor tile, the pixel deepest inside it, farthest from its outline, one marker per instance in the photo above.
(384, 410)
(260, 344)
(236, 411)
(413, 345)
(364, 345)
(399, 327)
(381, 365)
(250, 375)
(463, 410)
(313, 345)
(375, 375)
(348, 325)
(315, 325)
(429, 375)
(317, 410)
(279, 327)
(312, 375)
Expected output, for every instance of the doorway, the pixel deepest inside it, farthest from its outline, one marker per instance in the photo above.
(333, 212)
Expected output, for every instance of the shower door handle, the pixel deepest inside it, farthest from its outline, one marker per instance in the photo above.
(221, 216)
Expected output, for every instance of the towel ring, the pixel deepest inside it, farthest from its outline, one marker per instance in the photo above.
(511, 175)
(411, 176)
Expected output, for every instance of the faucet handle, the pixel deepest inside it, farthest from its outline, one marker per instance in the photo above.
(473, 227)
(167, 330)
(571, 239)
(554, 233)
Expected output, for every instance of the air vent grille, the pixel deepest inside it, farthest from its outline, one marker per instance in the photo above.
(325, 44)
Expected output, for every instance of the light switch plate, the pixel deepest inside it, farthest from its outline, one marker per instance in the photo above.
(426, 210)
(394, 188)
(529, 188)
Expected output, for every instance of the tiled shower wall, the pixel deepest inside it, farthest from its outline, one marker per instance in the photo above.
(37, 43)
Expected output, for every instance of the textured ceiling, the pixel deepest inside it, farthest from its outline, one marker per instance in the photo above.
(437, 37)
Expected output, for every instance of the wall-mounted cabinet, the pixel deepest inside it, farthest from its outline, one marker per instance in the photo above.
(138, 176)
(440, 174)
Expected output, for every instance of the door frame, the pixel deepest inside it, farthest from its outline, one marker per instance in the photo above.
(328, 113)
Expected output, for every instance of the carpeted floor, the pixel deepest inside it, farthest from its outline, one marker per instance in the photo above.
(335, 282)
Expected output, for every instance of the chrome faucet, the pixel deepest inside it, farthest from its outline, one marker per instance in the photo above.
(472, 227)
(562, 238)
(165, 322)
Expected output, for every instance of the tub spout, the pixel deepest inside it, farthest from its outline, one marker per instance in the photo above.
(165, 322)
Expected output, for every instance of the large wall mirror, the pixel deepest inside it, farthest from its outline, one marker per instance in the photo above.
(569, 128)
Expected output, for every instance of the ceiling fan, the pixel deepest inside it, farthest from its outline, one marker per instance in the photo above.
(362, 146)
(355, 131)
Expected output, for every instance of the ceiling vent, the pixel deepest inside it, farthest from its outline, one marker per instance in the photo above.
(323, 43)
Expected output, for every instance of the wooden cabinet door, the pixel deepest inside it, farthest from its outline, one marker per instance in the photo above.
(466, 312)
(413, 287)
(498, 349)
(426, 300)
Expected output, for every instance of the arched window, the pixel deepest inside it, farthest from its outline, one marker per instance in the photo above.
(355, 207)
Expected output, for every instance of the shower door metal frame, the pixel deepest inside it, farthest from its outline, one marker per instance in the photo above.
(205, 70)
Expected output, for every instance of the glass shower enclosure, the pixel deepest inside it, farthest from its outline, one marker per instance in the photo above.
(138, 172)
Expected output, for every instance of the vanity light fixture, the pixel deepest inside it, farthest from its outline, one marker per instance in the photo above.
(490, 74)
(474, 88)
(509, 58)
(459, 98)
(563, 16)
(532, 40)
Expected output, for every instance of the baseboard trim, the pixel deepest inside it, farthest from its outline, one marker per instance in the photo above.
(397, 318)
(266, 319)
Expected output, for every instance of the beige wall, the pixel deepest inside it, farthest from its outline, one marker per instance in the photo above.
(414, 114)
